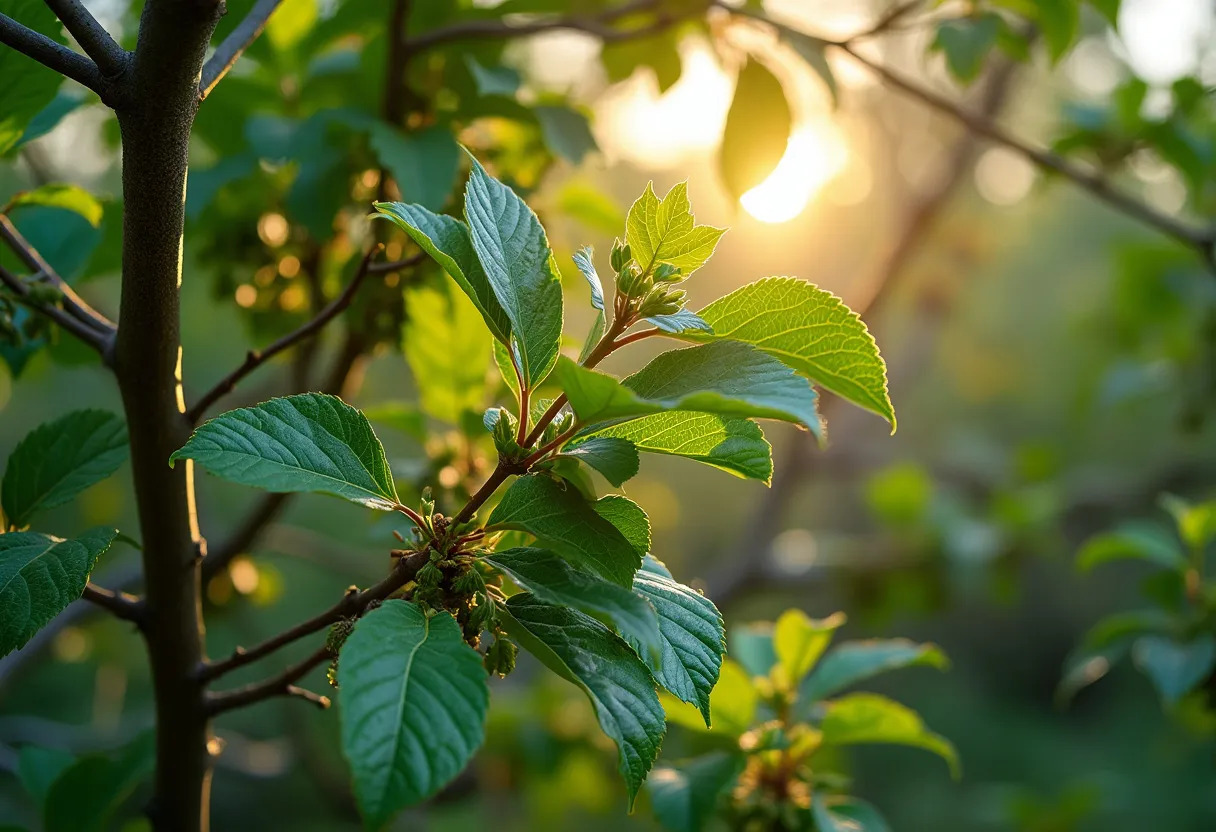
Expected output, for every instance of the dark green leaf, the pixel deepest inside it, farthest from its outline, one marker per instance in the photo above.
(853, 661)
(566, 131)
(616, 459)
(588, 654)
(561, 519)
(1175, 667)
(846, 814)
(38, 768)
(48, 117)
(424, 163)
(966, 42)
(737, 446)
(60, 459)
(628, 518)
(685, 797)
(495, 80)
(86, 795)
(413, 702)
(515, 254)
(757, 130)
(666, 232)
(39, 576)
(310, 442)
(26, 86)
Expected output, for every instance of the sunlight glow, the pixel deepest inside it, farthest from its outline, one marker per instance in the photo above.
(814, 155)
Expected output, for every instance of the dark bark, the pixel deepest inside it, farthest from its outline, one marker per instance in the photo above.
(155, 125)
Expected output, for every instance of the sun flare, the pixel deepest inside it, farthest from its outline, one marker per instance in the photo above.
(813, 156)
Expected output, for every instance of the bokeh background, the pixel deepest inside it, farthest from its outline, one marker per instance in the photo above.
(1050, 362)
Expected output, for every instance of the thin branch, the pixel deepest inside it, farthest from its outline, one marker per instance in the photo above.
(121, 604)
(284, 684)
(256, 358)
(89, 336)
(596, 25)
(232, 47)
(50, 54)
(110, 58)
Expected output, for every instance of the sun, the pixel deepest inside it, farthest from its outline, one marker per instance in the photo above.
(814, 154)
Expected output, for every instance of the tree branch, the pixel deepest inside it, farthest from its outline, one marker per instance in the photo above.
(281, 685)
(256, 358)
(121, 604)
(53, 55)
(232, 47)
(99, 342)
(110, 58)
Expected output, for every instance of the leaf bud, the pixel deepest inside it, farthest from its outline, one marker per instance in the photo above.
(620, 255)
(500, 657)
(667, 273)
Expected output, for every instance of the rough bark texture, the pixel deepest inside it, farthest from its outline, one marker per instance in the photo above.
(156, 119)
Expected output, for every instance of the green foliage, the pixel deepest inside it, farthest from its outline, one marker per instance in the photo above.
(85, 796)
(757, 129)
(446, 350)
(664, 231)
(614, 457)
(39, 576)
(26, 87)
(60, 459)
(966, 43)
(734, 445)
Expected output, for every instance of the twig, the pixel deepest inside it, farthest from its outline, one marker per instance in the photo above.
(110, 58)
(89, 336)
(280, 685)
(232, 47)
(121, 604)
(53, 55)
(256, 358)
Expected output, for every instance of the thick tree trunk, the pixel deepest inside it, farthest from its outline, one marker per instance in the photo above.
(156, 117)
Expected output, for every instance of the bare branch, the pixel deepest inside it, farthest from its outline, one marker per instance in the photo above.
(110, 58)
(50, 54)
(92, 337)
(230, 50)
(284, 684)
(121, 604)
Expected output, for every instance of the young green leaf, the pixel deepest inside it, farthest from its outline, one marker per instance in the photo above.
(811, 331)
(799, 641)
(870, 718)
(561, 519)
(68, 197)
(39, 576)
(515, 254)
(446, 348)
(665, 231)
(310, 442)
(757, 130)
(585, 652)
(966, 42)
(60, 459)
(685, 797)
(727, 378)
(447, 240)
(853, 661)
(629, 519)
(413, 702)
(736, 446)
(1175, 667)
(582, 259)
(693, 639)
(554, 580)
(616, 459)
(682, 321)
(85, 797)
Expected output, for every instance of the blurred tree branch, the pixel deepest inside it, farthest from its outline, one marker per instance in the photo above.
(232, 47)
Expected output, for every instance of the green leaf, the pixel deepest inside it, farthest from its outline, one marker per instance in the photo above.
(736, 446)
(68, 197)
(506, 367)
(685, 797)
(292, 20)
(1175, 667)
(732, 704)
(26, 86)
(870, 718)
(447, 240)
(86, 795)
(48, 117)
(727, 378)
(413, 700)
(616, 459)
(682, 321)
(1196, 523)
(583, 259)
(60, 459)
(1135, 542)
(966, 42)
(555, 581)
(38, 768)
(809, 330)
(589, 205)
(853, 661)
(757, 130)
(581, 650)
(628, 518)
(495, 80)
(562, 520)
(1109, 9)
(310, 442)
(693, 639)
(39, 576)
(566, 132)
(799, 641)
(846, 814)
(515, 254)
(811, 50)
(446, 348)
(665, 231)
(1059, 21)
(751, 645)
(424, 163)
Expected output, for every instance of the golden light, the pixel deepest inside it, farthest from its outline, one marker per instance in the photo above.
(814, 155)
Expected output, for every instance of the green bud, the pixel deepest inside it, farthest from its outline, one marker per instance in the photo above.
(500, 657)
(620, 255)
(667, 273)
(427, 503)
(628, 278)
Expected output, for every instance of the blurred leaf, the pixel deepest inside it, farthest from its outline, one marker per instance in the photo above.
(736, 446)
(39, 576)
(48, 117)
(799, 641)
(685, 797)
(1108, 9)
(495, 80)
(751, 645)
(622, 58)
(311, 442)
(514, 251)
(60, 459)
(728, 378)
(68, 197)
(1196, 522)
(290, 22)
(757, 130)
(616, 459)
(561, 519)
(1174, 667)
(853, 661)
(583, 651)
(424, 163)
(665, 231)
(37, 769)
(733, 704)
(590, 206)
(870, 718)
(85, 796)
(846, 815)
(26, 86)
(1132, 541)
(811, 50)
(63, 237)
(901, 495)
(1059, 21)
(413, 702)
(403, 416)
(447, 350)
(567, 132)
(966, 42)
(809, 330)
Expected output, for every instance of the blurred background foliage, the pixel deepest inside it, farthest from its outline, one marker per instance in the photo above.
(1051, 360)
